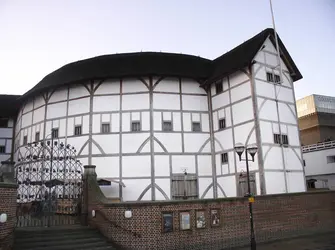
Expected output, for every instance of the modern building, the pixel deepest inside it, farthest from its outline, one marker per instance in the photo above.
(316, 115)
(319, 160)
(164, 126)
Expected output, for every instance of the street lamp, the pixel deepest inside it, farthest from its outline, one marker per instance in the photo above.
(252, 150)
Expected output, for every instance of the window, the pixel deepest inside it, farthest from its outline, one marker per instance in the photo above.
(184, 186)
(243, 184)
(331, 159)
(2, 149)
(222, 123)
(277, 78)
(311, 183)
(37, 136)
(54, 133)
(276, 138)
(284, 139)
(77, 130)
(3, 123)
(304, 163)
(269, 77)
(196, 127)
(218, 87)
(167, 126)
(25, 140)
(105, 128)
(136, 126)
(224, 158)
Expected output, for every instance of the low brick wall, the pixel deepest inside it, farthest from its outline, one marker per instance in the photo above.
(8, 194)
(275, 217)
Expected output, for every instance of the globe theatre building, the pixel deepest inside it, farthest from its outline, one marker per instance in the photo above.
(155, 123)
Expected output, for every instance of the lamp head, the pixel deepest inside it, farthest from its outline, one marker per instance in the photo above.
(239, 149)
(252, 150)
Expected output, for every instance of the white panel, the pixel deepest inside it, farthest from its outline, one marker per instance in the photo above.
(28, 106)
(39, 101)
(162, 167)
(197, 103)
(56, 110)
(225, 137)
(166, 101)
(48, 129)
(79, 106)
(62, 125)
(203, 185)
(134, 188)
(183, 162)
(268, 46)
(242, 132)
(106, 103)
(167, 116)
(126, 122)
(135, 116)
(268, 110)
(193, 142)
(146, 148)
(316, 162)
(292, 162)
(107, 167)
(275, 182)
(168, 85)
(204, 165)
(221, 113)
(38, 114)
(85, 124)
(241, 92)
(145, 121)
(195, 117)
(78, 91)
(115, 126)
(187, 122)
(58, 95)
(271, 59)
(26, 119)
(205, 122)
(77, 120)
(109, 143)
(215, 121)
(6, 132)
(284, 94)
(133, 86)
(243, 111)
(157, 121)
(132, 142)
(225, 84)
(96, 124)
(164, 184)
(191, 87)
(9, 146)
(78, 142)
(274, 157)
(158, 148)
(293, 135)
(55, 124)
(220, 100)
(237, 78)
(228, 184)
(109, 87)
(176, 122)
(10, 123)
(136, 166)
(296, 182)
(111, 191)
(286, 114)
(231, 161)
(135, 102)
(171, 141)
(265, 89)
(266, 132)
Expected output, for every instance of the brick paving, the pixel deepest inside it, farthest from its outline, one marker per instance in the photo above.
(315, 242)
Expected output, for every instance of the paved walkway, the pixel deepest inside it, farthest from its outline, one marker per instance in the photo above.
(317, 242)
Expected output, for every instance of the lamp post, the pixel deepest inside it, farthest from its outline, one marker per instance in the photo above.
(252, 150)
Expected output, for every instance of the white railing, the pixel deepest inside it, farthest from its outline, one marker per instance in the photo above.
(318, 146)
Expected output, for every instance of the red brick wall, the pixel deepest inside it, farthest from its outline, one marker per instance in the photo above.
(275, 216)
(8, 194)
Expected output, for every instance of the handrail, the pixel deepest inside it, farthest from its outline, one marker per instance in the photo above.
(113, 223)
(322, 145)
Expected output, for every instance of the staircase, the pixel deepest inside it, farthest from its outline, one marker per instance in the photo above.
(60, 238)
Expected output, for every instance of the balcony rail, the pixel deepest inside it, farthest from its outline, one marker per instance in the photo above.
(318, 146)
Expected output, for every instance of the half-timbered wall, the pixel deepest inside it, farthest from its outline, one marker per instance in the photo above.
(6, 135)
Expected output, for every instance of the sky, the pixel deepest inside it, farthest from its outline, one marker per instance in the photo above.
(37, 36)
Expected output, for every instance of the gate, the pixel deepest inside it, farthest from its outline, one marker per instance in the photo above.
(49, 181)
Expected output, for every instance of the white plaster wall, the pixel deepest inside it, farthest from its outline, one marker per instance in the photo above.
(79, 106)
(134, 188)
(240, 92)
(204, 165)
(228, 184)
(166, 101)
(133, 86)
(296, 182)
(286, 114)
(275, 182)
(108, 87)
(293, 135)
(125, 122)
(237, 78)
(56, 110)
(162, 165)
(38, 101)
(28, 106)
(106, 103)
(220, 100)
(39, 114)
(107, 167)
(26, 119)
(176, 121)
(284, 94)
(6, 132)
(135, 102)
(165, 185)
(183, 162)
(189, 86)
(193, 142)
(59, 95)
(77, 91)
(136, 166)
(145, 121)
(242, 132)
(316, 162)
(267, 109)
(172, 142)
(203, 185)
(78, 143)
(108, 143)
(168, 85)
(157, 116)
(242, 111)
(132, 142)
(205, 122)
(111, 191)
(292, 159)
(272, 157)
(264, 89)
(195, 103)
(225, 137)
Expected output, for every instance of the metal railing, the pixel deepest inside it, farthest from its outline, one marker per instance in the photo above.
(318, 146)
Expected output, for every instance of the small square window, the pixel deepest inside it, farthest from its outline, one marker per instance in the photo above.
(331, 159)
(276, 138)
(2, 149)
(37, 136)
(218, 87)
(54, 133)
(277, 78)
(167, 126)
(269, 77)
(224, 158)
(196, 127)
(284, 139)
(136, 126)
(222, 123)
(105, 128)
(77, 130)
(25, 140)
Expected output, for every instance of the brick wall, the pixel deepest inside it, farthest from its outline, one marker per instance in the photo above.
(8, 194)
(275, 216)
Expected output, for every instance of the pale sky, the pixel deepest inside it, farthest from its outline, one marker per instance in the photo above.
(39, 36)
